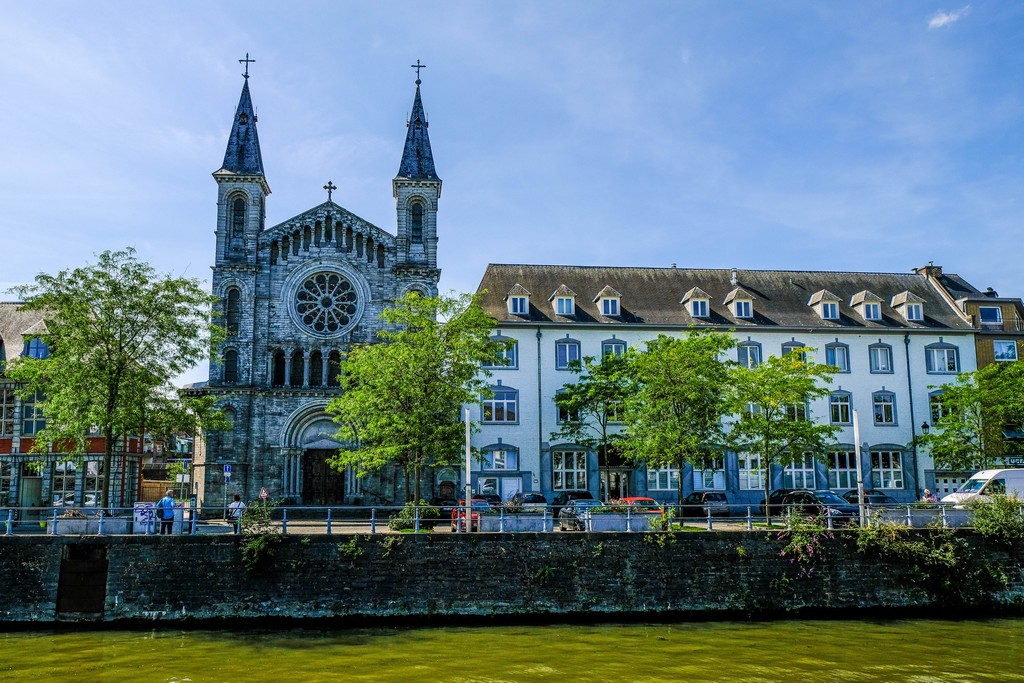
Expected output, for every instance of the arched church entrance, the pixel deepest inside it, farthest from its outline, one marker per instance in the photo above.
(311, 440)
(321, 483)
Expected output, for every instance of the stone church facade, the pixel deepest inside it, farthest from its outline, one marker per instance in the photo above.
(293, 298)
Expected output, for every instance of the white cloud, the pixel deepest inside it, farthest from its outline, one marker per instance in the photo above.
(942, 19)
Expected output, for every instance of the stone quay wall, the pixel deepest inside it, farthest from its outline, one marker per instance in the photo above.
(532, 576)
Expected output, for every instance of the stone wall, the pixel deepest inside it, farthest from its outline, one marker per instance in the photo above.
(568, 575)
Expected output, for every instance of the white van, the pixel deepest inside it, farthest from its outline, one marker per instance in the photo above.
(987, 483)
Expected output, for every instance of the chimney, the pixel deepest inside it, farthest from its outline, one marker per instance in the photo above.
(733, 281)
(991, 293)
(931, 270)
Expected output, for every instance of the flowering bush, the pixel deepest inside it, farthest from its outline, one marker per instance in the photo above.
(806, 538)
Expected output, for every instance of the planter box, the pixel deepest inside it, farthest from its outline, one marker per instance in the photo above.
(89, 526)
(517, 523)
(925, 517)
(614, 521)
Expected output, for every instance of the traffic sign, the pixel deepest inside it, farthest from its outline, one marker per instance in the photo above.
(264, 493)
(227, 469)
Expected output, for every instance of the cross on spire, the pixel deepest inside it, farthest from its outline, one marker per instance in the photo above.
(330, 187)
(416, 66)
(247, 62)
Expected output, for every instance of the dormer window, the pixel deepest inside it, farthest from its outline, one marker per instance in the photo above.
(909, 305)
(564, 301)
(867, 304)
(697, 301)
(740, 302)
(608, 300)
(518, 300)
(826, 304)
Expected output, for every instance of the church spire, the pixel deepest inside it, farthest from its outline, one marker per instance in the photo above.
(417, 160)
(242, 155)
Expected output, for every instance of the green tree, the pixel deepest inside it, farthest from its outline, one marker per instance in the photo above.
(402, 396)
(771, 400)
(118, 333)
(978, 413)
(679, 397)
(591, 405)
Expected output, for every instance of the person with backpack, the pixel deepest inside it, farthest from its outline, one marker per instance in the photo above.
(165, 513)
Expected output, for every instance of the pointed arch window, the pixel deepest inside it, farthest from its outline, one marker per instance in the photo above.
(238, 217)
(233, 311)
(230, 366)
(416, 222)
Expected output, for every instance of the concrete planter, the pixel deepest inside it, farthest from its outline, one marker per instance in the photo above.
(517, 523)
(925, 517)
(89, 526)
(616, 521)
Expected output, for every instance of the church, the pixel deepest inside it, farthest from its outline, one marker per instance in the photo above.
(293, 298)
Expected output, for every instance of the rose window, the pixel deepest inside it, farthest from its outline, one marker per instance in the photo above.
(326, 302)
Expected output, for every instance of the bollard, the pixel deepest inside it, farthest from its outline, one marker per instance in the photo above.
(373, 520)
(328, 521)
(501, 521)
(750, 520)
(910, 521)
(629, 519)
(416, 519)
(193, 521)
(284, 521)
(10, 522)
(945, 522)
(53, 529)
(99, 530)
(709, 520)
(828, 517)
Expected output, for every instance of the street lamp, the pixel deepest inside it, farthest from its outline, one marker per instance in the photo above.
(925, 427)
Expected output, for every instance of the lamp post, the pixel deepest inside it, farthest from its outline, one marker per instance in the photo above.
(860, 470)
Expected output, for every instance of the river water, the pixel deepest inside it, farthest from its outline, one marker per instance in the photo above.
(804, 650)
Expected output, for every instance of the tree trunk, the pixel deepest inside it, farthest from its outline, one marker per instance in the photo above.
(416, 484)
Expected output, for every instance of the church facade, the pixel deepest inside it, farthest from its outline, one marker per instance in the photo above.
(293, 298)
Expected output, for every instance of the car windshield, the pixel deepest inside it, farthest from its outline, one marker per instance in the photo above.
(830, 498)
(972, 486)
(586, 503)
(481, 504)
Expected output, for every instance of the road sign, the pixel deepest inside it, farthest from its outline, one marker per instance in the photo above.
(227, 469)
(264, 493)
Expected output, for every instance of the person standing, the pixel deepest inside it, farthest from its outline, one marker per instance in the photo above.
(165, 512)
(235, 512)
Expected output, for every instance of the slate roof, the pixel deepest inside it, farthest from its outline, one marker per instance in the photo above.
(417, 159)
(651, 296)
(15, 325)
(242, 155)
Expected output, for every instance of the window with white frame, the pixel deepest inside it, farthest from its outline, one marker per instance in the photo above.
(710, 478)
(609, 307)
(6, 412)
(1004, 351)
(569, 470)
(499, 459)
(990, 315)
(839, 408)
(886, 469)
(913, 312)
(829, 310)
(613, 347)
(872, 311)
(501, 407)
(748, 354)
(519, 305)
(508, 356)
(699, 308)
(838, 355)
(800, 473)
(6, 479)
(93, 484)
(564, 305)
(880, 358)
(942, 359)
(884, 404)
(842, 470)
(64, 483)
(663, 479)
(566, 351)
(795, 347)
(797, 412)
(488, 486)
(750, 471)
(32, 420)
(744, 308)
(936, 407)
(564, 413)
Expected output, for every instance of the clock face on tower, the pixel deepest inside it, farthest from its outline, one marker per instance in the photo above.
(326, 303)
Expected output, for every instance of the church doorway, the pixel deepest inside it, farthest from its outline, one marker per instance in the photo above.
(321, 483)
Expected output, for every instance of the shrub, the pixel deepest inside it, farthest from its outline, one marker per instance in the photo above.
(999, 519)
(805, 538)
(259, 536)
(405, 519)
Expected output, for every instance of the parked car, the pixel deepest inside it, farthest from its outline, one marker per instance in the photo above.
(822, 503)
(871, 498)
(565, 496)
(491, 498)
(444, 506)
(642, 504)
(573, 514)
(775, 501)
(477, 506)
(530, 500)
(699, 503)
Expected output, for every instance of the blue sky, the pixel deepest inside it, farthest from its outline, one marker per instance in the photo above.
(872, 136)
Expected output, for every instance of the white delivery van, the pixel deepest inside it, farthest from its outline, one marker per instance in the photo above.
(987, 483)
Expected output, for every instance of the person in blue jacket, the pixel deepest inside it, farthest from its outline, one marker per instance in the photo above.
(165, 512)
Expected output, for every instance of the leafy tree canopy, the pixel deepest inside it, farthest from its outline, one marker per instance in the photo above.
(402, 396)
(678, 399)
(980, 418)
(118, 333)
(591, 405)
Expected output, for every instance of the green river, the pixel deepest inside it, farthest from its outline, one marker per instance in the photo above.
(904, 650)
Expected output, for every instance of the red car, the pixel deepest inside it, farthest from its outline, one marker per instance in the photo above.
(459, 514)
(642, 504)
